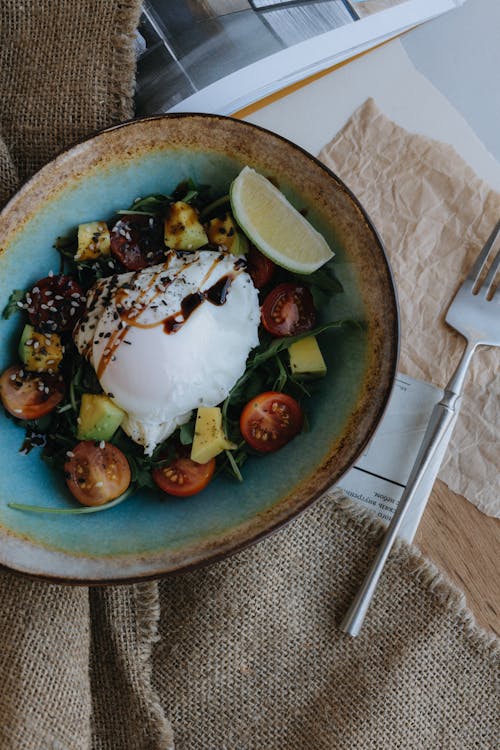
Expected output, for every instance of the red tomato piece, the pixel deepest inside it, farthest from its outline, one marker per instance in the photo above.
(270, 420)
(29, 395)
(260, 268)
(288, 310)
(96, 475)
(137, 241)
(55, 303)
(184, 477)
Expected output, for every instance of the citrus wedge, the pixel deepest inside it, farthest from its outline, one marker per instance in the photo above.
(274, 226)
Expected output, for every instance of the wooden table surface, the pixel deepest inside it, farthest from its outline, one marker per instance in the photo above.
(465, 544)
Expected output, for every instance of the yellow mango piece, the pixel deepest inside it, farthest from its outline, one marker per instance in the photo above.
(209, 438)
(93, 241)
(183, 230)
(306, 360)
(223, 231)
(40, 352)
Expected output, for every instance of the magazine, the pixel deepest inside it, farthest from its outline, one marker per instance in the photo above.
(220, 56)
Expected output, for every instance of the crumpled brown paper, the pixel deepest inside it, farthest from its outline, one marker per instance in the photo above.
(434, 214)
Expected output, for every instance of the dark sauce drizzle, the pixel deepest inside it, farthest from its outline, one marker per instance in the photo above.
(216, 295)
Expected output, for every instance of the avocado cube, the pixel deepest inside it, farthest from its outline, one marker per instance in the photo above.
(183, 230)
(40, 352)
(306, 360)
(209, 439)
(99, 417)
(93, 240)
(223, 231)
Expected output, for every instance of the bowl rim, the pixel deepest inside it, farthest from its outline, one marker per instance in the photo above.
(210, 557)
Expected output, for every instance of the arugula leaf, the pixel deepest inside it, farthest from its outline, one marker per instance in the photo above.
(152, 205)
(324, 278)
(234, 466)
(260, 354)
(67, 245)
(214, 207)
(73, 511)
(280, 382)
(186, 432)
(12, 305)
(256, 374)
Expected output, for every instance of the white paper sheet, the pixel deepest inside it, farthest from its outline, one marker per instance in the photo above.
(381, 473)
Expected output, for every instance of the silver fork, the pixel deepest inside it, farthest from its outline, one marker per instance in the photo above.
(475, 313)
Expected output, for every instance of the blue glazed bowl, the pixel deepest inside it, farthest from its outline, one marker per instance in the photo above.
(151, 535)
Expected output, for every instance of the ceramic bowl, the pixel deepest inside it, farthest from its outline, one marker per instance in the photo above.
(151, 535)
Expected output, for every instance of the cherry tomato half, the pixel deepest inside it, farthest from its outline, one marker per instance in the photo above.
(29, 395)
(260, 268)
(96, 475)
(270, 420)
(183, 477)
(137, 241)
(55, 303)
(288, 310)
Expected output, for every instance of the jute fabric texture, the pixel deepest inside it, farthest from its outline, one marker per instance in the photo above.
(245, 654)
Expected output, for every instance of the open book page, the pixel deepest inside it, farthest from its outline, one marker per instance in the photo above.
(212, 56)
(379, 476)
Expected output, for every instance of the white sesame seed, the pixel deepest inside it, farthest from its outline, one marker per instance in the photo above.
(70, 454)
(13, 376)
(99, 484)
(51, 273)
(102, 444)
(18, 411)
(35, 290)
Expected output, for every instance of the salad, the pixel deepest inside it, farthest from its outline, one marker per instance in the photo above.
(176, 339)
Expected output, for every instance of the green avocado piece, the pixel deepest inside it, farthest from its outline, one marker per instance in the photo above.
(99, 417)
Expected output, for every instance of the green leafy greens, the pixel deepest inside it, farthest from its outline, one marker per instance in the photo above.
(267, 366)
(14, 303)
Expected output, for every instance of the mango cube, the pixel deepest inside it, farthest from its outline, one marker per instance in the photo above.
(209, 438)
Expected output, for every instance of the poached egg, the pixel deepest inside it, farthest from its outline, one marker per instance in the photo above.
(170, 338)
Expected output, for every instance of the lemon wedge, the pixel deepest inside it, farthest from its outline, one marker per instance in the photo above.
(274, 226)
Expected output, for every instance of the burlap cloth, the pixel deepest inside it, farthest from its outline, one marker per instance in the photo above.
(245, 654)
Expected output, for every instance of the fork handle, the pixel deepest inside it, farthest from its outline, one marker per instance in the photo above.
(435, 440)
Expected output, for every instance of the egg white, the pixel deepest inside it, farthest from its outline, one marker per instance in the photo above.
(158, 378)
